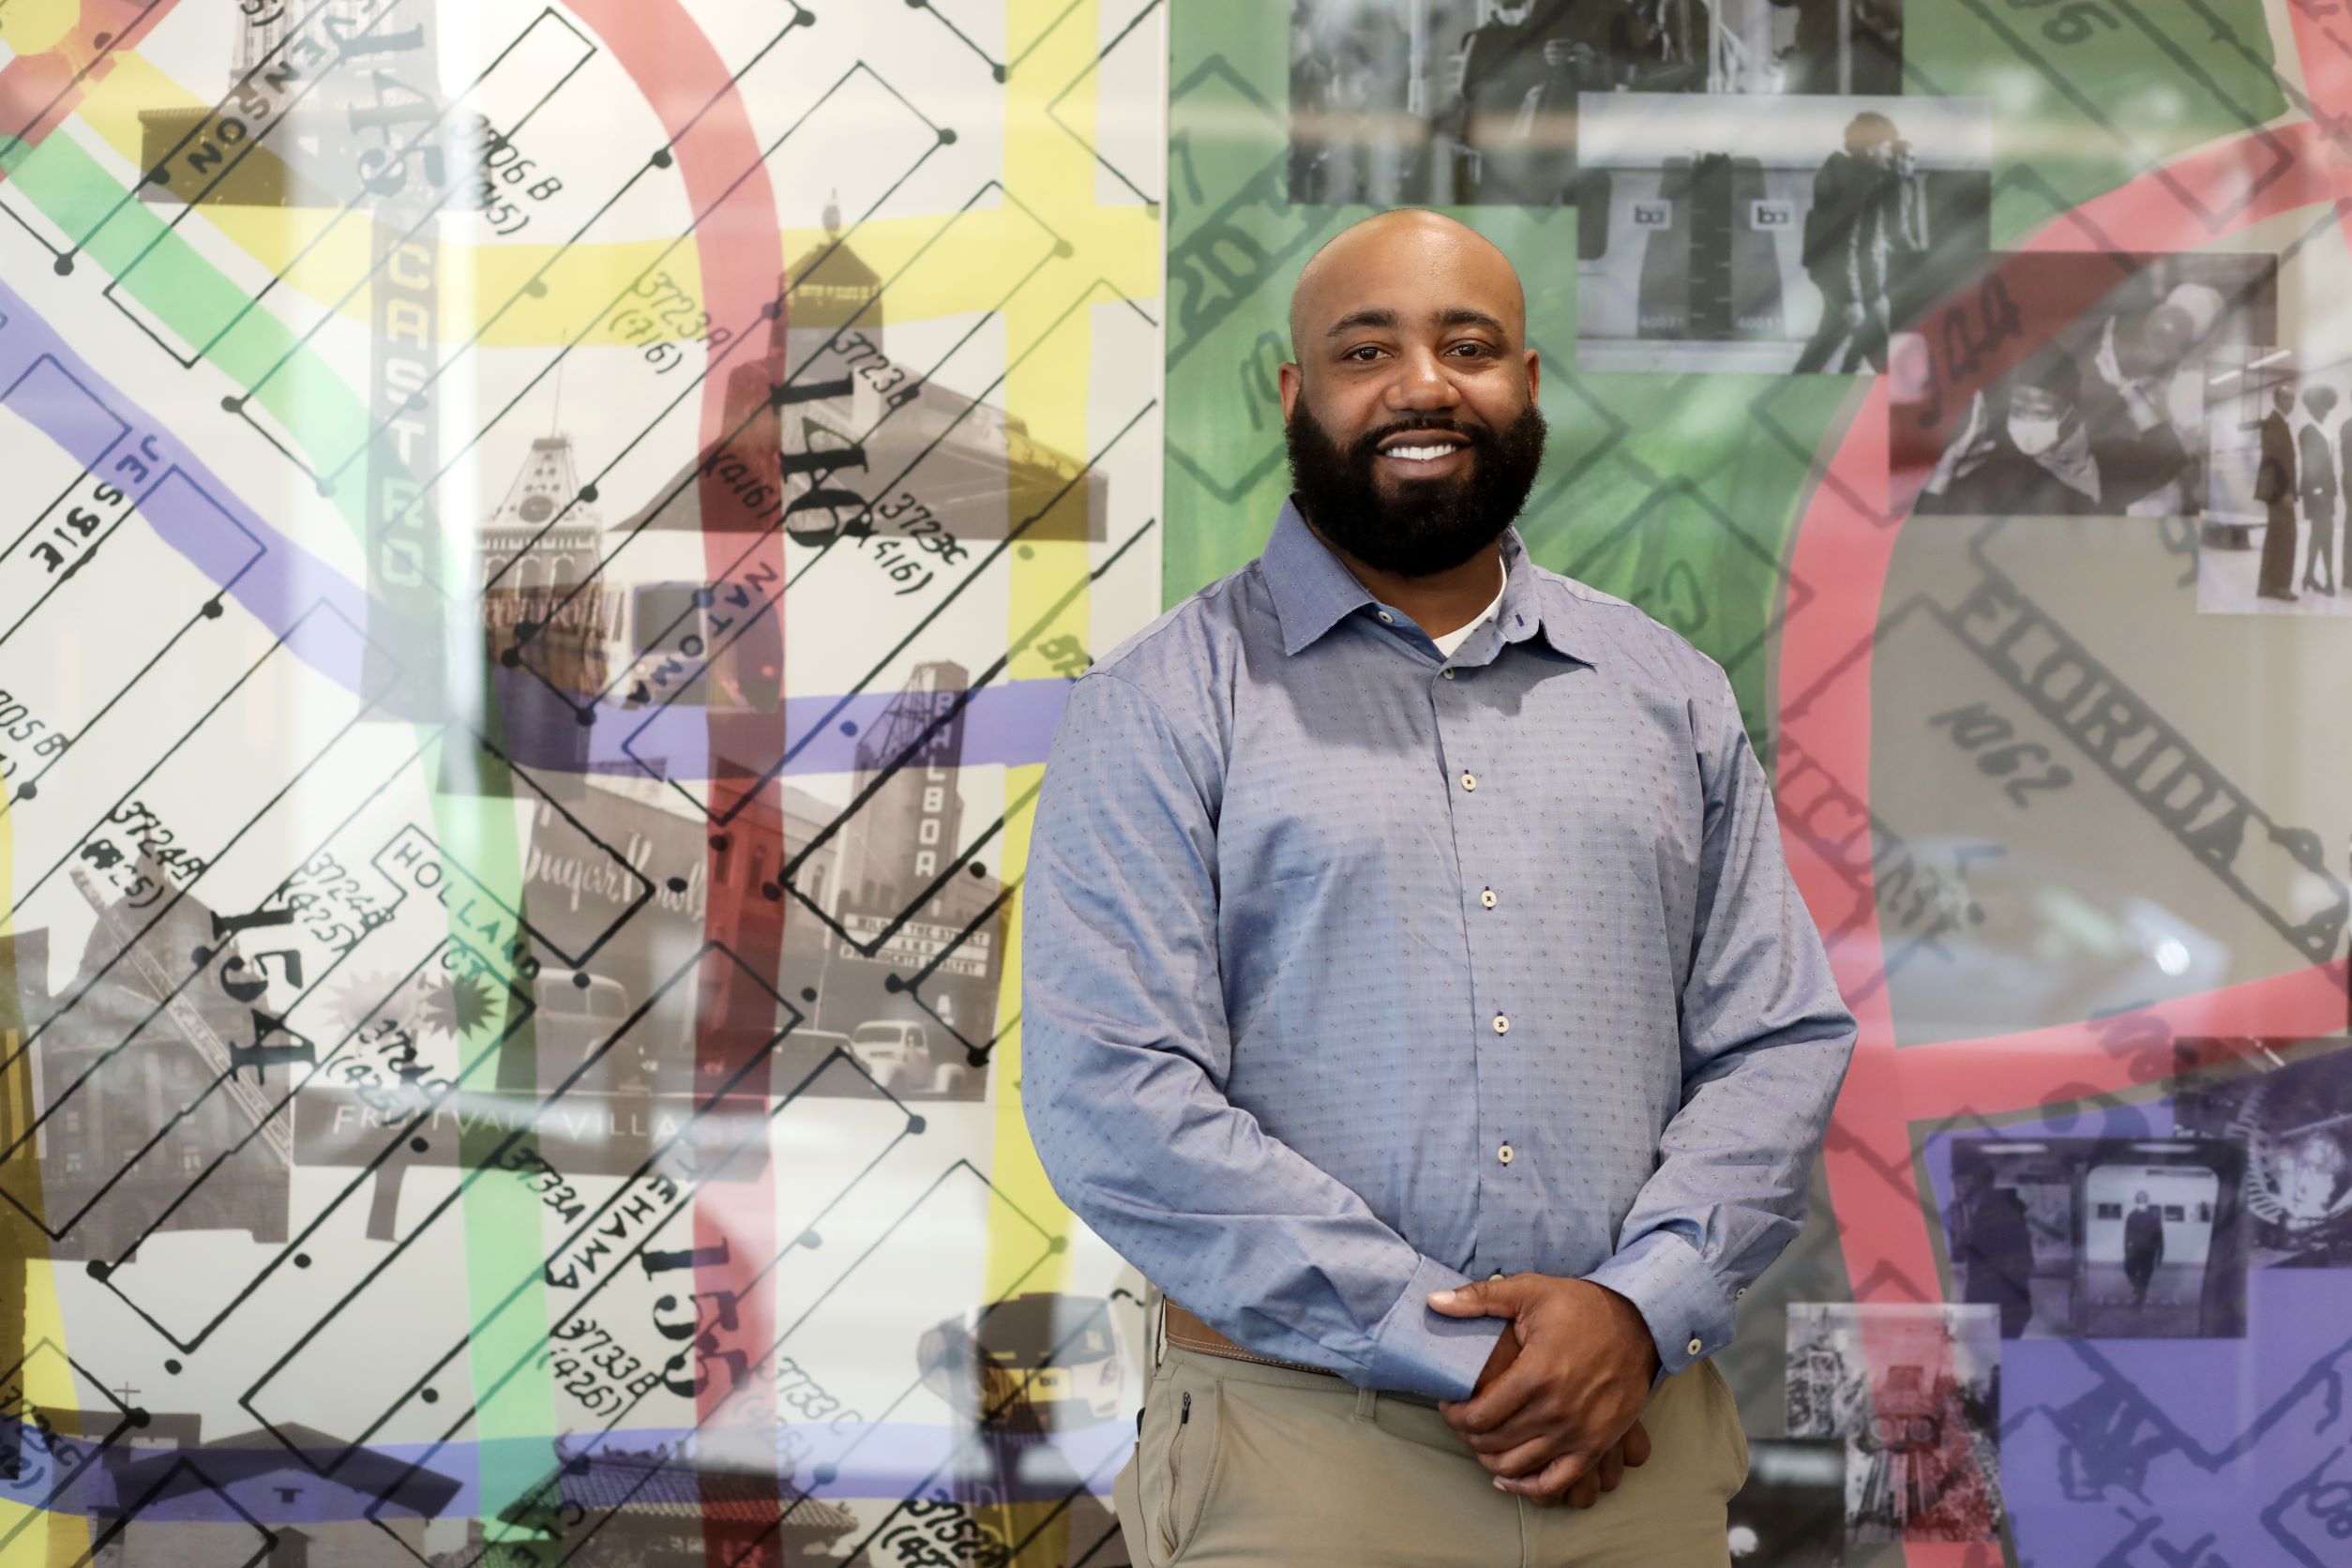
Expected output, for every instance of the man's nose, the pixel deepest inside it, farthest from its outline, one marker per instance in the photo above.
(1422, 383)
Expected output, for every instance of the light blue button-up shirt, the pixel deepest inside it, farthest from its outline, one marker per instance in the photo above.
(1351, 972)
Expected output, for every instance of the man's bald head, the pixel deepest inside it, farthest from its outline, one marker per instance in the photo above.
(1367, 260)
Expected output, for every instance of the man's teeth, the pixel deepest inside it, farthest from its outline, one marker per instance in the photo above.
(1421, 454)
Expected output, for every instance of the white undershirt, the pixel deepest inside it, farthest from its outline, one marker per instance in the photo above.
(1459, 635)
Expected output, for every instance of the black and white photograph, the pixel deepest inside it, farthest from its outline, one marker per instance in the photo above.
(2072, 384)
(2274, 539)
(1914, 1389)
(1772, 236)
(1475, 102)
(1791, 1513)
(2070, 1238)
(2292, 1114)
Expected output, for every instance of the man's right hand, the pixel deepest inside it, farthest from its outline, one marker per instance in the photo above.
(1606, 1471)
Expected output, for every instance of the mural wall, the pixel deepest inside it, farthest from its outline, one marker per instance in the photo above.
(545, 542)
(1968, 378)
(543, 548)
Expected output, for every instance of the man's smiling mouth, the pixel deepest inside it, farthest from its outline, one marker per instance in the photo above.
(1419, 448)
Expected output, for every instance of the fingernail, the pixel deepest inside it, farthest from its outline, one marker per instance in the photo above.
(1441, 1297)
(1498, 1485)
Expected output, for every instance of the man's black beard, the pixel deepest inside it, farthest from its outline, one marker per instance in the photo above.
(1424, 525)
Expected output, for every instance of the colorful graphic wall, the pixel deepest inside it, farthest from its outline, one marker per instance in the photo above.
(2063, 787)
(544, 547)
(545, 542)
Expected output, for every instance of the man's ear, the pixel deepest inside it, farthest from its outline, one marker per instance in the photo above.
(1534, 374)
(1288, 380)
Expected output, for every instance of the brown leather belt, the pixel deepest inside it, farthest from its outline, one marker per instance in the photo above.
(1180, 1328)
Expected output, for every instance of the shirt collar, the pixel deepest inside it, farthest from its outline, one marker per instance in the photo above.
(1313, 590)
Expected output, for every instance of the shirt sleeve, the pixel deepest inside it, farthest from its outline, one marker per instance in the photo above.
(1765, 1042)
(1125, 1053)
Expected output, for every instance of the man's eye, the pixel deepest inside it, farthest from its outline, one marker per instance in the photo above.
(1472, 348)
(1362, 351)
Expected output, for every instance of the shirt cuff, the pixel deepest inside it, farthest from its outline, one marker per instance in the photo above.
(1675, 1293)
(1418, 1350)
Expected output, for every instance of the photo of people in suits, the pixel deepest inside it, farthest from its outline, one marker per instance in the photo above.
(2275, 536)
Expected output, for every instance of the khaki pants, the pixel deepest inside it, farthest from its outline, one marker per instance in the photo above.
(1277, 1467)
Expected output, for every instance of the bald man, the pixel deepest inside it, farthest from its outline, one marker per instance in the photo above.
(1413, 992)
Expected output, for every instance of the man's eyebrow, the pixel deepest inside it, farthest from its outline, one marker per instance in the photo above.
(1355, 318)
(1458, 315)
(1462, 315)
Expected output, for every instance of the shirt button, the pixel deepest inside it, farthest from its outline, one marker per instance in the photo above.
(1469, 780)
(1447, 673)
(1741, 1291)
(1496, 1274)
(1488, 897)
(1386, 616)
(1503, 1154)
(1502, 1025)
(1693, 1346)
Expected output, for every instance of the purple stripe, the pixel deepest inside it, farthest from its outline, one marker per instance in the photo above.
(59, 393)
(891, 1460)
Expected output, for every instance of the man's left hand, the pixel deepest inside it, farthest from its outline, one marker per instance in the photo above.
(1583, 1371)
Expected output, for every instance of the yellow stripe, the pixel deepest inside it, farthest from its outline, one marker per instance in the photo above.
(1121, 243)
(1052, 173)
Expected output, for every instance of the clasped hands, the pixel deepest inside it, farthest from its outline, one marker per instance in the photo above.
(1555, 1412)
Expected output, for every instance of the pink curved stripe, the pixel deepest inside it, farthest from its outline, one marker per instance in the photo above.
(1842, 552)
